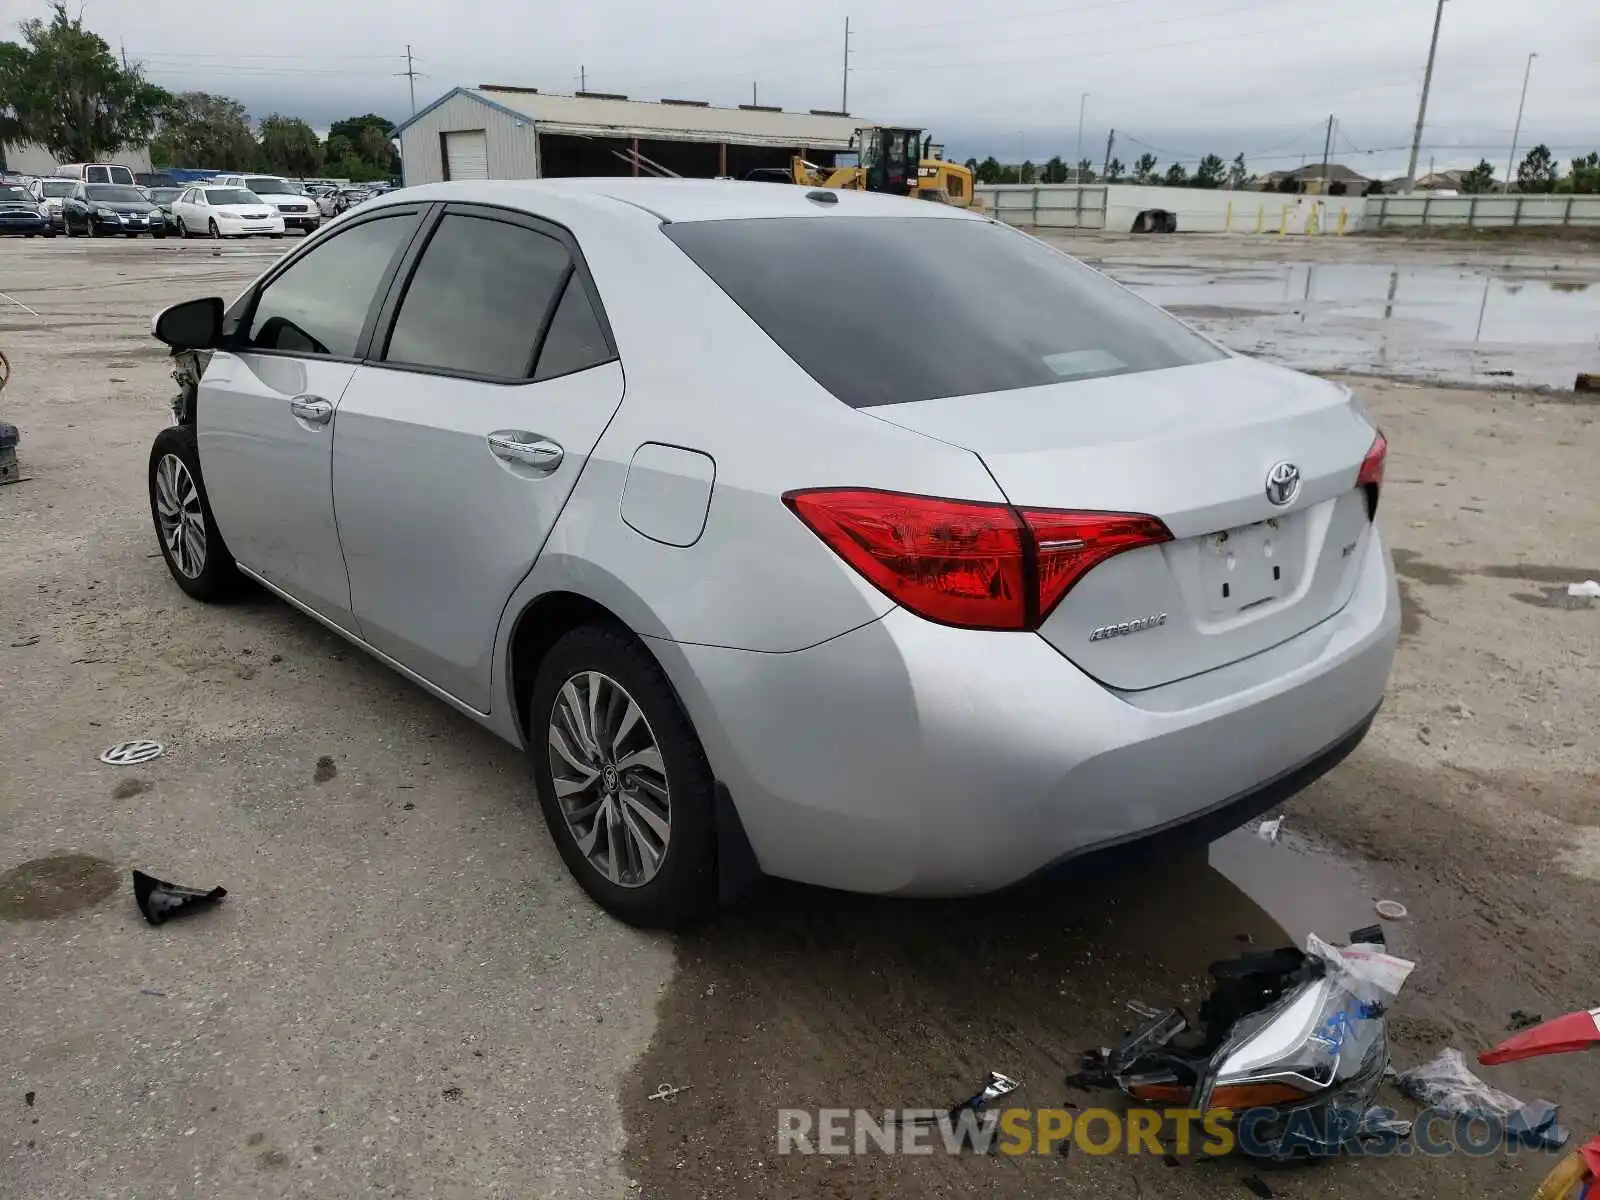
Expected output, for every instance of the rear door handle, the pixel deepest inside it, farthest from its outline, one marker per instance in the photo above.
(314, 410)
(526, 450)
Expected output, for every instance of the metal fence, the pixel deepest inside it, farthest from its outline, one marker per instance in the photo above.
(1481, 212)
(1048, 206)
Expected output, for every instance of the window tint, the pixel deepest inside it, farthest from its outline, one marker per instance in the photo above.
(575, 341)
(319, 304)
(478, 298)
(891, 310)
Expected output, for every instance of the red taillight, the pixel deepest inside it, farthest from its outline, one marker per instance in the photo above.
(1070, 543)
(968, 563)
(1371, 476)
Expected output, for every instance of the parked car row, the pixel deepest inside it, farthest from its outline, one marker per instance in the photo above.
(104, 200)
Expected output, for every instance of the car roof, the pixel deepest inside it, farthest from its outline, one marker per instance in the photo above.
(682, 199)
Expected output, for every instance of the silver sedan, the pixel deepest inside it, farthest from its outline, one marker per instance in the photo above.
(831, 536)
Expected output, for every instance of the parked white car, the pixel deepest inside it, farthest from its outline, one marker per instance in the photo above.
(219, 212)
(298, 210)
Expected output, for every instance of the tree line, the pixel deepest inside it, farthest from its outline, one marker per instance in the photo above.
(1212, 172)
(62, 88)
(1539, 172)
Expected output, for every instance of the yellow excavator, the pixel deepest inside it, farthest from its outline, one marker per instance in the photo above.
(897, 162)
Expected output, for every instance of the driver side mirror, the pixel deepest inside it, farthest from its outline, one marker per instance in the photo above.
(192, 325)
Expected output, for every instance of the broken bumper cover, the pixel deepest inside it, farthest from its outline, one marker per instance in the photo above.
(911, 758)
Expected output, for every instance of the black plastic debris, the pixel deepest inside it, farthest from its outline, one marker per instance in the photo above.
(1257, 1186)
(1523, 1020)
(1535, 1125)
(159, 900)
(996, 1086)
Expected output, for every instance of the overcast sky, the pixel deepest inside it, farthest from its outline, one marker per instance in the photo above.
(1182, 77)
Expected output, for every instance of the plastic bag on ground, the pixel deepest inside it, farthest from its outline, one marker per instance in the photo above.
(1448, 1084)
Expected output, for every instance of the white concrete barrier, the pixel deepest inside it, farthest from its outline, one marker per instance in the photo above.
(1115, 207)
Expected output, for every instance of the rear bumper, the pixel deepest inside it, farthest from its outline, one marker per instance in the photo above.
(910, 758)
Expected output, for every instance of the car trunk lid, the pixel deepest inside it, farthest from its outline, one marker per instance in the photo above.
(1193, 446)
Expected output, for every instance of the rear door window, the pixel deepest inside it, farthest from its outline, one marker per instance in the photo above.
(894, 310)
(479, 298)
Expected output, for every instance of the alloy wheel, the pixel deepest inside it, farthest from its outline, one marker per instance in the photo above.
(610, 779)
(182, 520)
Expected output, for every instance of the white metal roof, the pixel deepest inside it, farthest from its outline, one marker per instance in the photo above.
(595, 116)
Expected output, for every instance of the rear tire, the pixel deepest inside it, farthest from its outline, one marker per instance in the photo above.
(680, 888)
(185, 529)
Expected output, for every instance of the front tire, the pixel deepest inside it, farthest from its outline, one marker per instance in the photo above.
(623, 782)
(185, 528)
(211, 228)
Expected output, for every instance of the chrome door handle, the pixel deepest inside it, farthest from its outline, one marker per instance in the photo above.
(313, 409)
(526, 450)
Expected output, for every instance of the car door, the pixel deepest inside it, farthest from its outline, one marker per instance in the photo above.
(74, 210)
(490, 381)
(180, 209)
(267, 404)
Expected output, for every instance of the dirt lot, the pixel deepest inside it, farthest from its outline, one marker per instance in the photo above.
(403, 995)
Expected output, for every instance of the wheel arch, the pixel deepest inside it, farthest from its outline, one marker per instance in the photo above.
(559, 594)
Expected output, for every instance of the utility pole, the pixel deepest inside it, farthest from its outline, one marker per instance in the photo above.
(124, 46)
(1077, 167)
(583, 78)
(1327, 147)
(1422, 106)
(755, 95)
(1517, 132)
(844, 91)
(410, 74)
(1105, 171)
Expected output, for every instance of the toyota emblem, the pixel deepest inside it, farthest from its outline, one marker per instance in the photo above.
(1283, 483)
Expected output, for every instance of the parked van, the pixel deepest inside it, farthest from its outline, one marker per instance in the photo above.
(96, 173)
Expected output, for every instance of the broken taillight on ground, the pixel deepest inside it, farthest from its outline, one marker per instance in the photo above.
(972, 564)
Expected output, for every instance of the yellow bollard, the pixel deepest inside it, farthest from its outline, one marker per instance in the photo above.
(1344, 213)
(1261, 216)
(1283, 221)
(1227, 221)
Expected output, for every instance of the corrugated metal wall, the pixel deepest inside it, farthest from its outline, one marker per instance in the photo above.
(512, 149)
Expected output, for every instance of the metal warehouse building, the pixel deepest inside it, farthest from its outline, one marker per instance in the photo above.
(492, 132)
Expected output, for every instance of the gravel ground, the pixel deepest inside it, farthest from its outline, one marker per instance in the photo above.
(403, 994)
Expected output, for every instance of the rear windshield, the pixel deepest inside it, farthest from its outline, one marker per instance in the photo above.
(264, 187)
(57, 188)
(11, 192)
(893, 310)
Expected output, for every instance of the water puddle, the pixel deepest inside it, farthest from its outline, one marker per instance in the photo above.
(1454, 325)
(43, 888)
(1302, 886)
